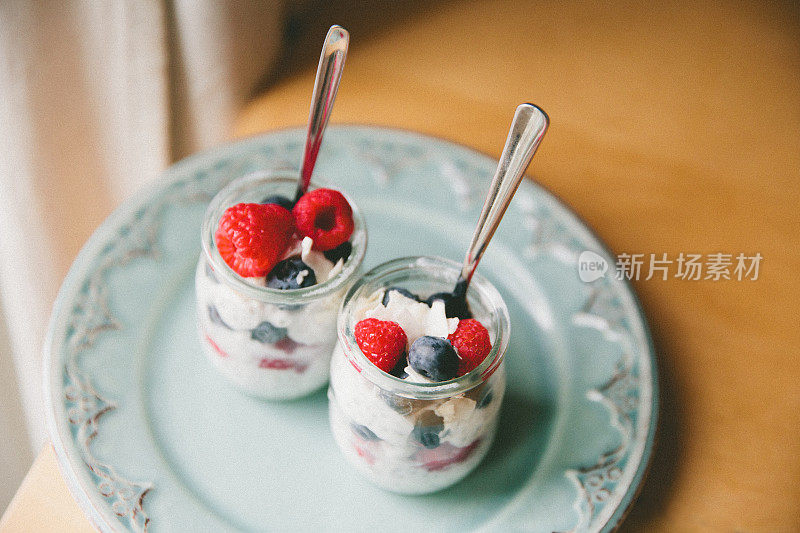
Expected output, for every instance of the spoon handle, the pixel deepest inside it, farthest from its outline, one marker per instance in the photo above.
(527, 130)
(329, 73)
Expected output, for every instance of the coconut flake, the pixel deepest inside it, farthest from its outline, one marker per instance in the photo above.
(323, 269)
(416, 318)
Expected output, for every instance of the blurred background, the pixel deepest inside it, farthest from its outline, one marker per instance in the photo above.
(674, 129)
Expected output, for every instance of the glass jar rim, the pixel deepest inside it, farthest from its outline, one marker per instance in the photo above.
(482, 287)
(224, 198)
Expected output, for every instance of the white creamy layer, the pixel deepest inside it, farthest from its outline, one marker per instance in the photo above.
(416, 318)
(312, 326)
(363, 403)
(399, 473)
(313, 323)
(273, 383)
(394, 459)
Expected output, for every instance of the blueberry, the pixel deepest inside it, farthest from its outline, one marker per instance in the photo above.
(399, 370)
(453, 306)
(286, 273)
(427, 429)
(266, 333)
(398, 404)
(434, 358)
(213, 315)
(210, 273)
(280, 200)
(485, 400)
(364, 432)
(342, 251)
(404, 292)
(429, 439)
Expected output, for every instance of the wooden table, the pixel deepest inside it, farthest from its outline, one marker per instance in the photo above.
(674, 129)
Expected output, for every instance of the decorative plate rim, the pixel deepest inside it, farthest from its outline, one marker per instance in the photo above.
(74, 470)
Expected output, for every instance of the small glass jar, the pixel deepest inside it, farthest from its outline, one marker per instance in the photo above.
(270, 343)
(411, 437)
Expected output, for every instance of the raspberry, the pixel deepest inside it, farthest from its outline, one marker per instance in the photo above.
(216, 347)
(471, 341)
(325, 216)
(446, 455)
(382, 341)
(251, 238)
(282, 364)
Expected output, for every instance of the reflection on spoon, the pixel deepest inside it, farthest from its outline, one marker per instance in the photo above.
(526, 133)
(329, 74)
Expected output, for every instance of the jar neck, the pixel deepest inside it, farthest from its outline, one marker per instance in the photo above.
(442, 273)
(253, 188)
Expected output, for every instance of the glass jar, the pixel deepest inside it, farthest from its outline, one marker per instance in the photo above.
(412, 437)
(270, 343)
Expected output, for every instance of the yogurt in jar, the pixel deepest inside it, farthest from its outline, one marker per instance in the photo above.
(268, 340)
(403, 430)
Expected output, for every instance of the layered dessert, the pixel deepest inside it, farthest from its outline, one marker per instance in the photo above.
(270, 282)
(415, 393)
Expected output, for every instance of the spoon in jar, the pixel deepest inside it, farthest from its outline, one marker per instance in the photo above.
(527, 130)
(329, 74)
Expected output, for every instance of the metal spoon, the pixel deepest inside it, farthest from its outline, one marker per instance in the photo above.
(329, 74)
(527, 130)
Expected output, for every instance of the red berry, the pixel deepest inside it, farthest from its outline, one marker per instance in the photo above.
(472, 343)
(325, 216)
(382, 341)
(252, 238)
(216, 347)
(445, 455)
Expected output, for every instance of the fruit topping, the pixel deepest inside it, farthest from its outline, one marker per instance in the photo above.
(325, 216)
(382, 341)
(471, 341)
(251, 238)
(290, 274)
(434, 357)
(342, 252)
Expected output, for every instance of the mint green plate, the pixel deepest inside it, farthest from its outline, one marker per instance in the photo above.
(149, 438)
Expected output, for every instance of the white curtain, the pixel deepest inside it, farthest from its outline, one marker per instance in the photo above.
(96, 99)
